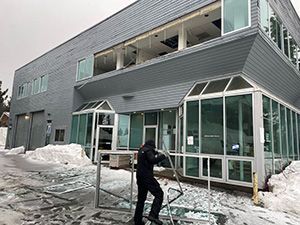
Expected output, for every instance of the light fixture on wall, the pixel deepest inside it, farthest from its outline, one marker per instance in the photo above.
(27, 117)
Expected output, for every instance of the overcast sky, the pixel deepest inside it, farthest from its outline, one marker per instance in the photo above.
(29, 28)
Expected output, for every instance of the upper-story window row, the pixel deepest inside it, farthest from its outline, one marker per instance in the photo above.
(37, 85)
(273, 26)
(195, 28)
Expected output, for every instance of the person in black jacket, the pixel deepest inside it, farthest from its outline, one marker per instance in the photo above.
(147, 157)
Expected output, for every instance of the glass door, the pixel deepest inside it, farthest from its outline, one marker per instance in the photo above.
(105, 140)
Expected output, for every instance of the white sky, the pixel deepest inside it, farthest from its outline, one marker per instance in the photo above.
(29, 28)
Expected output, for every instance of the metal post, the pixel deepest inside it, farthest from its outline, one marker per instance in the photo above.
(208, 180)
(98, 178)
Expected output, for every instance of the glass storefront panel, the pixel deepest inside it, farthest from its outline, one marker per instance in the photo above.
(136, 131)
(180, 139)
(212, 126)
(283, 128)
(236, 14)
(290, 135)
(82, 129)
(268, 136)
(151, 118)
(123, 131)
(167, 130)
(276, 129)
(239, 171)
(215, 167)
(294, 121)
(74, 130)
(192, 166)
(239, 125)
(89, 130)
(192, 127)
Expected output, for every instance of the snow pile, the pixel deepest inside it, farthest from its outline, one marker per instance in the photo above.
(16, 151)
(285, 191)
(3, 133)
(72, 154)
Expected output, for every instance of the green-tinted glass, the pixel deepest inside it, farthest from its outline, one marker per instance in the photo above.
(236, 14)
(212, 141)
(192, 127)
(123, 131)
(136, 131)
(74, 129)
(276, 129)
(192, 166)
(240, 171)
(82, 129)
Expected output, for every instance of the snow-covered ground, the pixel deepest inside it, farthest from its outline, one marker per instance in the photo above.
(30, 197)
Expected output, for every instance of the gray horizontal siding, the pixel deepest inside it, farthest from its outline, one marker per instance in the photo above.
(153, 99)
(268, 67)
(192, 64)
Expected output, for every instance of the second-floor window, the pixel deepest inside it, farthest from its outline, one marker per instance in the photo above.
(23, 91)
(85, 68)
(36, 86)
(44, 83)
(236, 15)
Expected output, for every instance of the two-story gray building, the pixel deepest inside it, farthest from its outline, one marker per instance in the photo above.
(216, 78)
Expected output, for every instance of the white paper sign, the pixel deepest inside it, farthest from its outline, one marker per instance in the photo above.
(190, 140)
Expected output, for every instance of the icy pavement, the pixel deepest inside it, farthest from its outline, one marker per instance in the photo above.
(54, 194)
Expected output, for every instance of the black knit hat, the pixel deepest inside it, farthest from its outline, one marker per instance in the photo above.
(150, 143)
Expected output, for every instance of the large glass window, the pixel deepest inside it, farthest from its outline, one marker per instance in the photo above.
(264, 15)
(283, 129)
(212, 126)
(294, 121)
(89, 130)
(239, 171)
(167, 130)
(23, 91)
(192, 166)
(276, 130)
(85, 68)
(239, 125)
(192, 127)
(123, 131)
(82, 129)
(236, 14)
(290, 135)
(136, 131)
(268, 136)
(74, 130)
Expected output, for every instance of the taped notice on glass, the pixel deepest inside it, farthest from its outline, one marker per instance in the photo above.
(190, 140)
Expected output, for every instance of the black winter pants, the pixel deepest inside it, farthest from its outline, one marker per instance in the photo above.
(145, 185)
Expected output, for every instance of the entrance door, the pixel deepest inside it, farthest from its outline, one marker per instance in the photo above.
(104, 140)
(150, 133)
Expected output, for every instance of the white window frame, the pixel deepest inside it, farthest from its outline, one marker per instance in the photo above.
(77, 68)
(234, 31)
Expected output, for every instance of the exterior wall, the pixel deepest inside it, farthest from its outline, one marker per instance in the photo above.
(267, 65)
